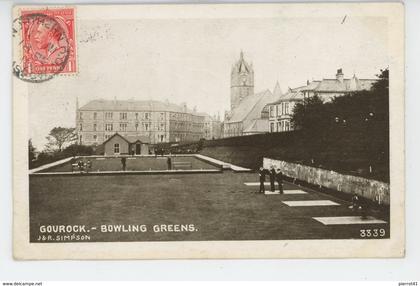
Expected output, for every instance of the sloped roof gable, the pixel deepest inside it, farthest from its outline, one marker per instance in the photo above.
(251, 107)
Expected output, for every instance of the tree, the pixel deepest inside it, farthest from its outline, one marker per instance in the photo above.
(200, 144)
(309, 114)
(31, 151)
(312, 117)
(78, 150)
(59, 137)
(382, 85)
(350, 131)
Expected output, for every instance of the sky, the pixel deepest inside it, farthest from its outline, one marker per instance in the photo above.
(190, 60)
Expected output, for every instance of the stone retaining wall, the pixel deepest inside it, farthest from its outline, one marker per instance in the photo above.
(367, 188)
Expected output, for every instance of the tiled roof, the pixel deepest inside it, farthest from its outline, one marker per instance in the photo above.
(327, 85)
(312, 85)
(250, 107)
(347, 85)
(130, 138)
(292, 94)
(257, 126)
(134, 105)
(135, 138)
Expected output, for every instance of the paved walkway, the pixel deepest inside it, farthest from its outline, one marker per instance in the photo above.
(302, 200)
(225, 165)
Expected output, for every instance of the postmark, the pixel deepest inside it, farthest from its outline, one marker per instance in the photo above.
(47, 42)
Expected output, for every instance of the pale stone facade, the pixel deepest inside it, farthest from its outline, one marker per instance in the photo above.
(281, 111)
(212, 127)
(161, 122)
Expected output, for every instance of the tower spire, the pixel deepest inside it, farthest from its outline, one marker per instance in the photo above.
(241, 81)
(277, 90)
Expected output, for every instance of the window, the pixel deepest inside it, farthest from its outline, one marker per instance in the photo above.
(94, 115)
(108, 127)
(123, 126)
(137, 126)
(137, 116)
(162, 116)
(286, 108)
(162, 137)
(161, 127)
(123, 115)
(147, 115)
(271, 110)
(80, 139)
(278, 127)
(94, 127)
(108, 115)
(282, 108)
(107, 136)
(116, 148)
(95, 137)
(272, 127)
(146, 126)
(81, 127)
(80, 115)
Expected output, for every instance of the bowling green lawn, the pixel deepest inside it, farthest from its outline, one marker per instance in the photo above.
(219, 206)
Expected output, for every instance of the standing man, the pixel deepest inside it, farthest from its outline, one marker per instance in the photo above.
(80, 165)
(88, 166)
(169, 162)
(272, 178)
(123, 162)
(279, 179)
(261, 174)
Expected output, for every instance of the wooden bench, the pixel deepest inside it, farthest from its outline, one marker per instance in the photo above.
(181, 165)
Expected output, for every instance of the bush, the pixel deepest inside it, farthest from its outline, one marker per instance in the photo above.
(78, 150)
(70, 151)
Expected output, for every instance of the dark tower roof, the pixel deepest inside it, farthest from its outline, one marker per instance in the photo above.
(241, 65)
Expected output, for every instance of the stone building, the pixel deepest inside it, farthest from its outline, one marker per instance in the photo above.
(212, 127)
(281, 110)
(245, 116)
(128, 145)
(161, 122)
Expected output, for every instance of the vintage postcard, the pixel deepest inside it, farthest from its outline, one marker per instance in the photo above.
(208, 131)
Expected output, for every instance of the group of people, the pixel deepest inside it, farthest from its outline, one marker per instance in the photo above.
(275, 176)
(82, 166)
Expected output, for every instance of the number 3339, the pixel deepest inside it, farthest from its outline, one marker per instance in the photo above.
(375, 232)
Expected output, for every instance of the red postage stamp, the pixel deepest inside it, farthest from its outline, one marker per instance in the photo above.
(48, 41)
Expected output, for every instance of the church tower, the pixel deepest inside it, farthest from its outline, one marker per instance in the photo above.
(241, 82)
